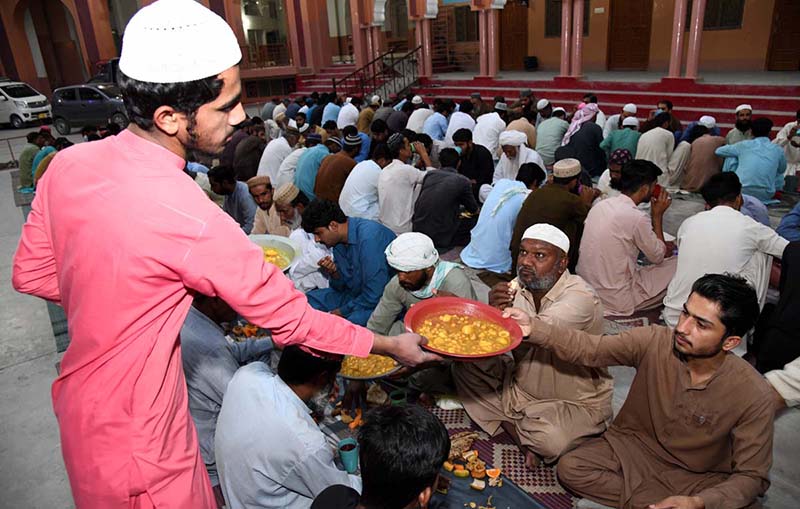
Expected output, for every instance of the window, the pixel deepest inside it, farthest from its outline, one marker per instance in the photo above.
(90, 94)
(69, 94)
(720, 15)
(19, 91)
(552, 18)
(466, 24)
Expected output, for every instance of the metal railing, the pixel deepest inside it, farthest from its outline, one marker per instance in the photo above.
(384, 75)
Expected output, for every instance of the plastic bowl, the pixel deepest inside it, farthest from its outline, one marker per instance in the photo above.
(282, 244)
(435, 306)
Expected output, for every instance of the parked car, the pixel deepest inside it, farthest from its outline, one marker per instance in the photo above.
(91, 104)
(20, 104)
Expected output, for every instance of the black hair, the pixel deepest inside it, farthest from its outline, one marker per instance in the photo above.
(247, 157)
(300, 199)
(721, 188)
(381, 151)
(442, 106)
(465, 106)
(636, 173)
(656, 121)
(559, 113)
(356, 101)
(114, 129)
(531, 172)
(761, 127)
(407, 107)
(32, 136)
(697, 131)
(349, 130)
(62, 143)
(426, 140)
(737, 301)
(320, 213)
(499, 99)
(591, 98)
(85, 130)
(257, 121)
(462, 135)
(93, 137)
(449, 158)
(330, 124)
(301, 114)
(298, 367)
(143, 98)
(222, 173)
(378, 126)
(565, 180)
(401, 450)
(665, 102)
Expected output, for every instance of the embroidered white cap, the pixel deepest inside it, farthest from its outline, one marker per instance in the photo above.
(171, 41)
(630, 108)
(548, 233)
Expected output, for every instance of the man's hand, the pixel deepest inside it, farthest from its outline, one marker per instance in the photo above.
(442, 293)
(419, 148)
(588, 194)
(679, 503)
(327, 264)
(405, 349)
(660, 205)
(522, 318)
(501, 295)
(669, 248)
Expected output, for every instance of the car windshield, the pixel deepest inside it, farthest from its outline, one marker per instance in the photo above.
(111, 91)
(19, 90)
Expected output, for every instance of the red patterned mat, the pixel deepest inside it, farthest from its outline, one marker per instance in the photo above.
(500, 452)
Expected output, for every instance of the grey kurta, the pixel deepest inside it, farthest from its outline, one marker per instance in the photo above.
(553, 404)
(386, 319)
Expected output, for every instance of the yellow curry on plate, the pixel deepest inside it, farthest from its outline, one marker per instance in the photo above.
(464, 335)
(275, 257)
(371, 366)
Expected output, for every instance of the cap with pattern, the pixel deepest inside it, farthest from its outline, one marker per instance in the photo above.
(567, 168)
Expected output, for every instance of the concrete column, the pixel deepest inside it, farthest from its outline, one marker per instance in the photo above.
(492, 33)
(577, 35)
(566, 39)
(483, 44)
(695, 38)
(676, 48)
(359, 46)
(294, 26)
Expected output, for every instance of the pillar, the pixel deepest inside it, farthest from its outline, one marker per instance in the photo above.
(295, 31)
(313, 15)
(359, 45)
(427, 46)
(483, 43)
(695, 37)
(577, 35)
(492, 33)
(566, 39)
(676, 48)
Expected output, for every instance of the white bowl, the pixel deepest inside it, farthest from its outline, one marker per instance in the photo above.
(284, 244)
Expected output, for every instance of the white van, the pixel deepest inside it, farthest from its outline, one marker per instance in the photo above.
(20, 103)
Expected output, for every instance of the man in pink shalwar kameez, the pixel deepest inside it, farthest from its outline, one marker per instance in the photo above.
(128, 246)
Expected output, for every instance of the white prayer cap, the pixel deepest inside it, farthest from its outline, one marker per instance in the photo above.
(548, 233)
(559, 108)
(514, 138)
(708, 121)
(172, 41)
(633, 121)
(542, 104)
(630, 108)
(292, 123)
(411, 251)
(743, 107)
(416, 100)
(375, 101)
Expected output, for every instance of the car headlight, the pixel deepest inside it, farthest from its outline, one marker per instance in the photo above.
(21, 104)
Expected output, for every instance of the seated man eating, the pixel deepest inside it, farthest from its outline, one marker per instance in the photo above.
(547, 405)
(420, 275)
(360, 272)
(696, 428)
(270, 452)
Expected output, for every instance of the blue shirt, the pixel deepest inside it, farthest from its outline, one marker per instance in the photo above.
(39, 156)
(755, 209)
(331, 112)
(366, 141)
(789, 228)
(761, 165)
(361, 263)
(241, 206)
(490, 244)
(435, 126)
(270, 452)
(684, 135)
(209, 363)
(307, 167)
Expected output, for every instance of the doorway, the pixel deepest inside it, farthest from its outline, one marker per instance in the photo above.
(514, 35)
(629, 35)
(784, 52)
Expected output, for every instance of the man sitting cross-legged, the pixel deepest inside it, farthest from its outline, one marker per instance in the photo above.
(696, 428)
(360, 272)
(546, 404)
(420, 275)
(270, 452)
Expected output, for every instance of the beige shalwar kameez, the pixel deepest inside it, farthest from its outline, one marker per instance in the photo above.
(553, 405)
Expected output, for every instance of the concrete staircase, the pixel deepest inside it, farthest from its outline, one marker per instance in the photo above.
(322, 81)
(691, 100)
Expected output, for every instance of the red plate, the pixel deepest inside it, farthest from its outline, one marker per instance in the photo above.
(464, 307)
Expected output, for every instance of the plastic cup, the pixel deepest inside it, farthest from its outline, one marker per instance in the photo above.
(398, 397)
(348, 452)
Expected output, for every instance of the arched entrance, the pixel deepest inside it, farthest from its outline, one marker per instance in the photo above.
(52, 36)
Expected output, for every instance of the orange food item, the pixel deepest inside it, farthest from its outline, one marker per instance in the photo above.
(478, 471)
(493, 473)
(357, 421)
(459, 467)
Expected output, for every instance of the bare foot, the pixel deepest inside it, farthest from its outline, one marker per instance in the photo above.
(532, 461)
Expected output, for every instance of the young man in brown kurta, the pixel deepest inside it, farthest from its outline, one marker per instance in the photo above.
(546, 404)
(335, 169)
(696, 429)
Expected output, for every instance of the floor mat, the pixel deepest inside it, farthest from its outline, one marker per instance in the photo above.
(500, 452)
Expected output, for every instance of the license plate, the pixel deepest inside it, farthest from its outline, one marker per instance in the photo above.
(42, 115)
